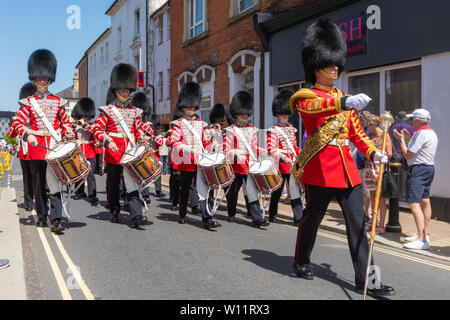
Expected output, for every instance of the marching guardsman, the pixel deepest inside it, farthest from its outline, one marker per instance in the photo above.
(240, 142)
(118, 127)
(42, 122)
(219, 122)
(28, 89)
(283, 147)
(157, 142)
(84, 113)
(188, 141)
(325, 165)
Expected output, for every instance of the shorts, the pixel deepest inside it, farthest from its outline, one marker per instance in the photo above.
(418, 183)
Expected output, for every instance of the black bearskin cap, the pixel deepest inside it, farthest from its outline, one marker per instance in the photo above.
(123, 76)
(85, 107)
(242, 103)
(230, 119)
(27, 90)
(140, 100)
(110, 96)
(42, 64)
(218, 113)
(190, 95)
(324, 45)
(280, 104)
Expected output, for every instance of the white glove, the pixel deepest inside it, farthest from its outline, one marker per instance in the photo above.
(379, 157)
(358, 101)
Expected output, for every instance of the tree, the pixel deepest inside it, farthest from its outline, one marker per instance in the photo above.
(9, 140)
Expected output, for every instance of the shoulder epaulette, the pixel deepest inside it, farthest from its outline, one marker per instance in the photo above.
(303, 93)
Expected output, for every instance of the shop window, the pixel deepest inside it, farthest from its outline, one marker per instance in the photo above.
(403, 89)
(160, 29)
(196, 17)
(370, 85)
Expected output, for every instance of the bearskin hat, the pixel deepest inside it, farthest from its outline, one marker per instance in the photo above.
(27, 90)
(218, 113)
(42, 64)
(242, 103)
(110, 96)
(85, 107)
(324, 45)
(230, 119)
(190, 95)
(155, 120)
(123, 76)
(140, 100)
(280, 104)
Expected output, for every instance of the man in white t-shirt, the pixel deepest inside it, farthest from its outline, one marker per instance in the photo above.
(419, 151)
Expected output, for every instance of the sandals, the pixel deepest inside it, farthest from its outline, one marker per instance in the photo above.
(380, 230)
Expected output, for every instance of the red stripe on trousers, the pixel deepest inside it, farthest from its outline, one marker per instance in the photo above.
(301, 225)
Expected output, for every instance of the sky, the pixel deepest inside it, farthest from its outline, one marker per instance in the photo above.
(28, 25)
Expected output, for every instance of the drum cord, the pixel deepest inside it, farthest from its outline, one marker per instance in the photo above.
(215, 205)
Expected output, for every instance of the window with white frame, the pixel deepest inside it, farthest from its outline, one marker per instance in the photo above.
(119, 38)
(106, 53)
(196, 17)
(160, 86)
(244, 5)
(168, 25)
(137, 25)
(161, 29)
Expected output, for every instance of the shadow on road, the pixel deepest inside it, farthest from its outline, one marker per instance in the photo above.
(284, 266)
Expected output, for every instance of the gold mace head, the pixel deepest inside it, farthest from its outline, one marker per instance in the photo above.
(387, 120)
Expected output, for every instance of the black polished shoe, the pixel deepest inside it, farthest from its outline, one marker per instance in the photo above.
(159, 194)
(231, 219)
(383, 291)
(181, 221)
(147, 200)
(57, 226)
(174, 208)
(41, 223)
(114, 217)
(28, 208)
(261, 223)
(303, 271)
(273, 220)
(210, 224)
(297, 223)
(135, 222)
(76, 197)
(93, 200)
(195, 211)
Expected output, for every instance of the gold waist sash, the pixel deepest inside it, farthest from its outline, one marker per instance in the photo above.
(319, 140)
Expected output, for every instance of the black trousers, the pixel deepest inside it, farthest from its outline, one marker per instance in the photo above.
(99, 163)
(114, 172)
(27, 182)
(174, 185)
(187, 179)
(296, 204)
(39, 169)
(253, 208)
(352, 205)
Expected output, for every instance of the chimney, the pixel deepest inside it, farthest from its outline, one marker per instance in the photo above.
(76, 82)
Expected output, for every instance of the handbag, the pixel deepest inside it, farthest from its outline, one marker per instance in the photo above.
(390, 185)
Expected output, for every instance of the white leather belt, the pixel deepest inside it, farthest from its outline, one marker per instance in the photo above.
(119, 135)
(42, 133)
(339, 142)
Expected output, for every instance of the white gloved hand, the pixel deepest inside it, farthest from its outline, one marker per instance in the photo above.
(358, 101)
(379, 157)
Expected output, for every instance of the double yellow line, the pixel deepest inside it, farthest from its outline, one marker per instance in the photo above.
(62, 285)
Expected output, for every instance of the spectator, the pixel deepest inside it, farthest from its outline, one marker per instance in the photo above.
(372, 171)
(419, 151)
(164, 154)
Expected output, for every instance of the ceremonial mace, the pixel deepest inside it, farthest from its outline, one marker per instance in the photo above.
(387, 120)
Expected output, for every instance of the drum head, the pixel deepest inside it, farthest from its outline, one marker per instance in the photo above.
(60, 150)
(212, 159)
(133, 153)
(261, 166)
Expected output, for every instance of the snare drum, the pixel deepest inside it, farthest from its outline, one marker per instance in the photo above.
(68, 162)
(142, 164)
(217, 172)
(266, 175)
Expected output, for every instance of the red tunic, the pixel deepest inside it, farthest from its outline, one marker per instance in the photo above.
(233, 146)
(182, 140)
(28, 122)
(87, 140)
(333, 166)
(12, 132)
(108, 128)
(279, 149)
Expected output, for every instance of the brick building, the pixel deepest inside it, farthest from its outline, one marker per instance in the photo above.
(82, 67)
(215, 44)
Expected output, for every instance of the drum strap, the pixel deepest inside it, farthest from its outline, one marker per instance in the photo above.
(286, 139)
(124, 125)
(44, 119)
(195, 133)
(245, 142)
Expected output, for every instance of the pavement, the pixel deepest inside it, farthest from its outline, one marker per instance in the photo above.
(334, 221)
